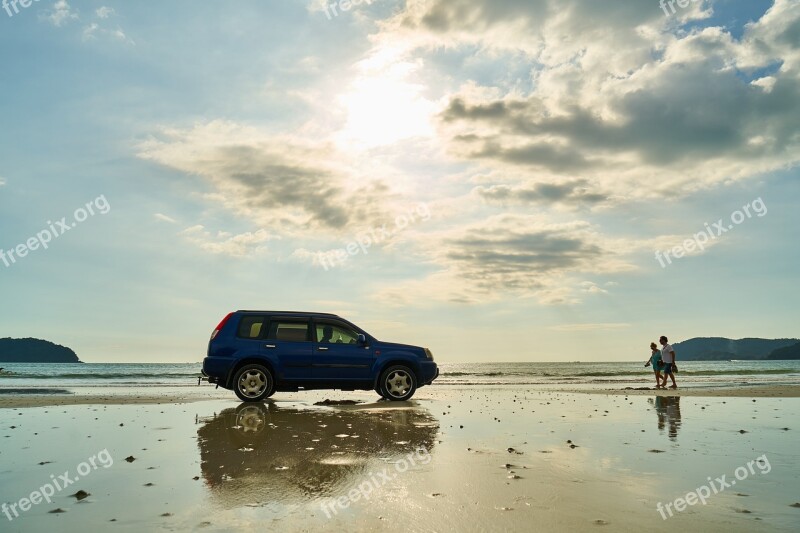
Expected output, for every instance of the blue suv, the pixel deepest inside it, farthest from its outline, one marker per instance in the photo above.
(257, 353)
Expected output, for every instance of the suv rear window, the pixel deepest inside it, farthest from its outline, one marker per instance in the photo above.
(289, 330)
(252, 327)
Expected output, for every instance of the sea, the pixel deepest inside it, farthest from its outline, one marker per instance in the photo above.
(42, 378)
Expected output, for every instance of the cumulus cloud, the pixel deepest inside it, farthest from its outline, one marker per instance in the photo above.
(60, 14)
(99, 28)
(620, 95)
(224, 243)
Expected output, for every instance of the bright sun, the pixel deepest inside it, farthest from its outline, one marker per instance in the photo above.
(382, 106)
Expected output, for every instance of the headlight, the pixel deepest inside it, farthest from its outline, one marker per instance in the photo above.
(429, 354)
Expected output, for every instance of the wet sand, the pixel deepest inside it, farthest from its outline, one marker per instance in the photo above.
(758, 391)
(454, 458)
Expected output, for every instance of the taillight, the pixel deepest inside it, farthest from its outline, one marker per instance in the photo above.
(221, 325)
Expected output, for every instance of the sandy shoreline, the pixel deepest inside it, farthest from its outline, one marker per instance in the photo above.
(77, 398)
(755, 391)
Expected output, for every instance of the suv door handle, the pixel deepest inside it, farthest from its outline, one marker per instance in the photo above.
(270, 345)
(322, 348)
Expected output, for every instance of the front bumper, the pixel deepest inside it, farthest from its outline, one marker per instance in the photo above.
(430, 371)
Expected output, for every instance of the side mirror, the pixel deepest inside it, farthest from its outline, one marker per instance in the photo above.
(362, 339)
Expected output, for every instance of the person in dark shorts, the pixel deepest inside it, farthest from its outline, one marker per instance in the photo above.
(668, 356)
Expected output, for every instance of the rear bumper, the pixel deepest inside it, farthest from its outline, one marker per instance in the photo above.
(216, 369)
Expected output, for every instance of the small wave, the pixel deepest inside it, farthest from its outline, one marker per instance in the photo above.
(109, 375)
(721, 372)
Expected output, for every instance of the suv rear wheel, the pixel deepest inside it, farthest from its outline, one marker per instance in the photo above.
(397, 383)
(253, 383)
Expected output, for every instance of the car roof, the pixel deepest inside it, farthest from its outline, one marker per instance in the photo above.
(288, 313)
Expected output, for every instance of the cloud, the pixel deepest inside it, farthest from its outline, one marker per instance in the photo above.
(165, 218)
(507, 255)
(280, 182)
(590, 327)
(223, 243)
(97, 28)
(592, 288)
(628, 98)
(571, 193)
(60, 14)
(104, 12)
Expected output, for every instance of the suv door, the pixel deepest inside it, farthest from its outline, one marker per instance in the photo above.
(289, 340)
(338, 356)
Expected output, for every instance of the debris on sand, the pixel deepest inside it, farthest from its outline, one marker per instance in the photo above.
(80, 495)
(337, 402)
(130, 458)
(57, 511)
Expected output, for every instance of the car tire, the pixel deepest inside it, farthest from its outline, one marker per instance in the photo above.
(397, 383)
(253, 383)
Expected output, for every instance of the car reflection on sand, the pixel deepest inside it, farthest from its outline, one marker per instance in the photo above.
(259, 453)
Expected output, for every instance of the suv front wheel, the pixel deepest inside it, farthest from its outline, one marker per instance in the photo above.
(253, 383)
(397, 383)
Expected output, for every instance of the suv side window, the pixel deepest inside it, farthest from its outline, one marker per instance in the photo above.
(289, 330)
(252, 327)
(329, 332)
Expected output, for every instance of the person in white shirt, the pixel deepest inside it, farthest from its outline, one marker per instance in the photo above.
(668, 357)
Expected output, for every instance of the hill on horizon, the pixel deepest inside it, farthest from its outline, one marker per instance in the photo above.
(35, 351)
(724, 349)
(791, 353)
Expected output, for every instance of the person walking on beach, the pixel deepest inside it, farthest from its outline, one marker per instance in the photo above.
(655, 360)
(668, 356)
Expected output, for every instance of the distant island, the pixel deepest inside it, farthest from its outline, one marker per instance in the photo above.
(35, 351)
(723, 349)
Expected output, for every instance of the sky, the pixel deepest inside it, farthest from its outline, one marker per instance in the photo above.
(497, 180)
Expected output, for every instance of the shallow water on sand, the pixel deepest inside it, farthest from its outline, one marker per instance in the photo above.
(465, 458)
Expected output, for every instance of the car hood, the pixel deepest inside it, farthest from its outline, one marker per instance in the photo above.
(398, 346)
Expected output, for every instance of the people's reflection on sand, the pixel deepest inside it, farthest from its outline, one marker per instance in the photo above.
(668, 410)
(260, 453)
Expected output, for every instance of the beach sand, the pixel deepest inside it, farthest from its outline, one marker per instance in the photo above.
(465, 458)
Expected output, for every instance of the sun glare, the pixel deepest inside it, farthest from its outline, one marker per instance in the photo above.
(382, 107)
